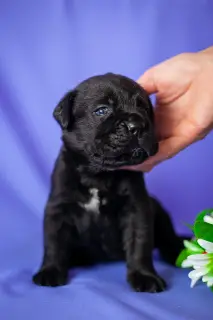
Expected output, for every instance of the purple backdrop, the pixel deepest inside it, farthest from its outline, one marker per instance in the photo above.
(46, 48)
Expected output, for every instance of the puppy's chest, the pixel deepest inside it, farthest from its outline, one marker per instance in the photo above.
(99, 226)
(96, 203)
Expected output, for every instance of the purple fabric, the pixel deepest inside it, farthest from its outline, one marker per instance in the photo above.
(47, 47)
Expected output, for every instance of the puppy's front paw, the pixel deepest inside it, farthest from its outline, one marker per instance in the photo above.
(146, 282)
(51, 277)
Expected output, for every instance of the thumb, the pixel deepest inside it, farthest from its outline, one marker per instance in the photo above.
(148, 81)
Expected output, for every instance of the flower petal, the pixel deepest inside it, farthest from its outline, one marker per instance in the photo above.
(186, 264)
(194, 281)
(202, 271)
(198, 257)
(199, 263)
(208, 246)
(206, 278)
(210, 283)
(208, 219)
(192, 246)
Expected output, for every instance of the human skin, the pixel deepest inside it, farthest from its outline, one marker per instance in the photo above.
(183, 86)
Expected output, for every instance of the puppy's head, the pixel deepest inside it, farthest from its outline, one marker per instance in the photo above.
(108, 121)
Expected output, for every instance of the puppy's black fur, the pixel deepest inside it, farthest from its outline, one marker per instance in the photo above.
(96, 213)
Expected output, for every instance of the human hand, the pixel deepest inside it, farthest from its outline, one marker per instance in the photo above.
(184, 102)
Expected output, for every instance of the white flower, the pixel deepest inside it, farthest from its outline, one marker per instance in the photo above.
(202, 260)
(202, 264)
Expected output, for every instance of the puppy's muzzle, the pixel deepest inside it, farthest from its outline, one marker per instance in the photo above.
(134, 127)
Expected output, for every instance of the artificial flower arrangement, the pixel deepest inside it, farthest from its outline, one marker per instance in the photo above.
(198, 253)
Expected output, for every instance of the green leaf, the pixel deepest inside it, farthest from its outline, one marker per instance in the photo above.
(202, 214)
(182, 256)
(203, 230)
(190, 226)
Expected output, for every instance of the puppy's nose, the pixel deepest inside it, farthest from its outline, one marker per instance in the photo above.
(133, 125)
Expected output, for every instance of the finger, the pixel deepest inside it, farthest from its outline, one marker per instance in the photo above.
(140, 167)
(144, 167)
(148, 82)
(169, 148)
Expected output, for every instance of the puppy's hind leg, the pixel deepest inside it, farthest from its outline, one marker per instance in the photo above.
(166, 240)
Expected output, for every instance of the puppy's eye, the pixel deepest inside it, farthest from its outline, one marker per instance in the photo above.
(102, 111)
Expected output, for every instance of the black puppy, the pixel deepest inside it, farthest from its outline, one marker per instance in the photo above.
(96, 213)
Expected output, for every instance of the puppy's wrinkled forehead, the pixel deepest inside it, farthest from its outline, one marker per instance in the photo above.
(110, 89)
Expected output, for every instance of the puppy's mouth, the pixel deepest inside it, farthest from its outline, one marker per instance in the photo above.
(135, 152)
(137, 156)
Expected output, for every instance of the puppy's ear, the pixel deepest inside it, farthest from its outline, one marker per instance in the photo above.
(63, 112)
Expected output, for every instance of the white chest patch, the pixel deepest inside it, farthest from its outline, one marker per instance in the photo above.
(94, 203)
